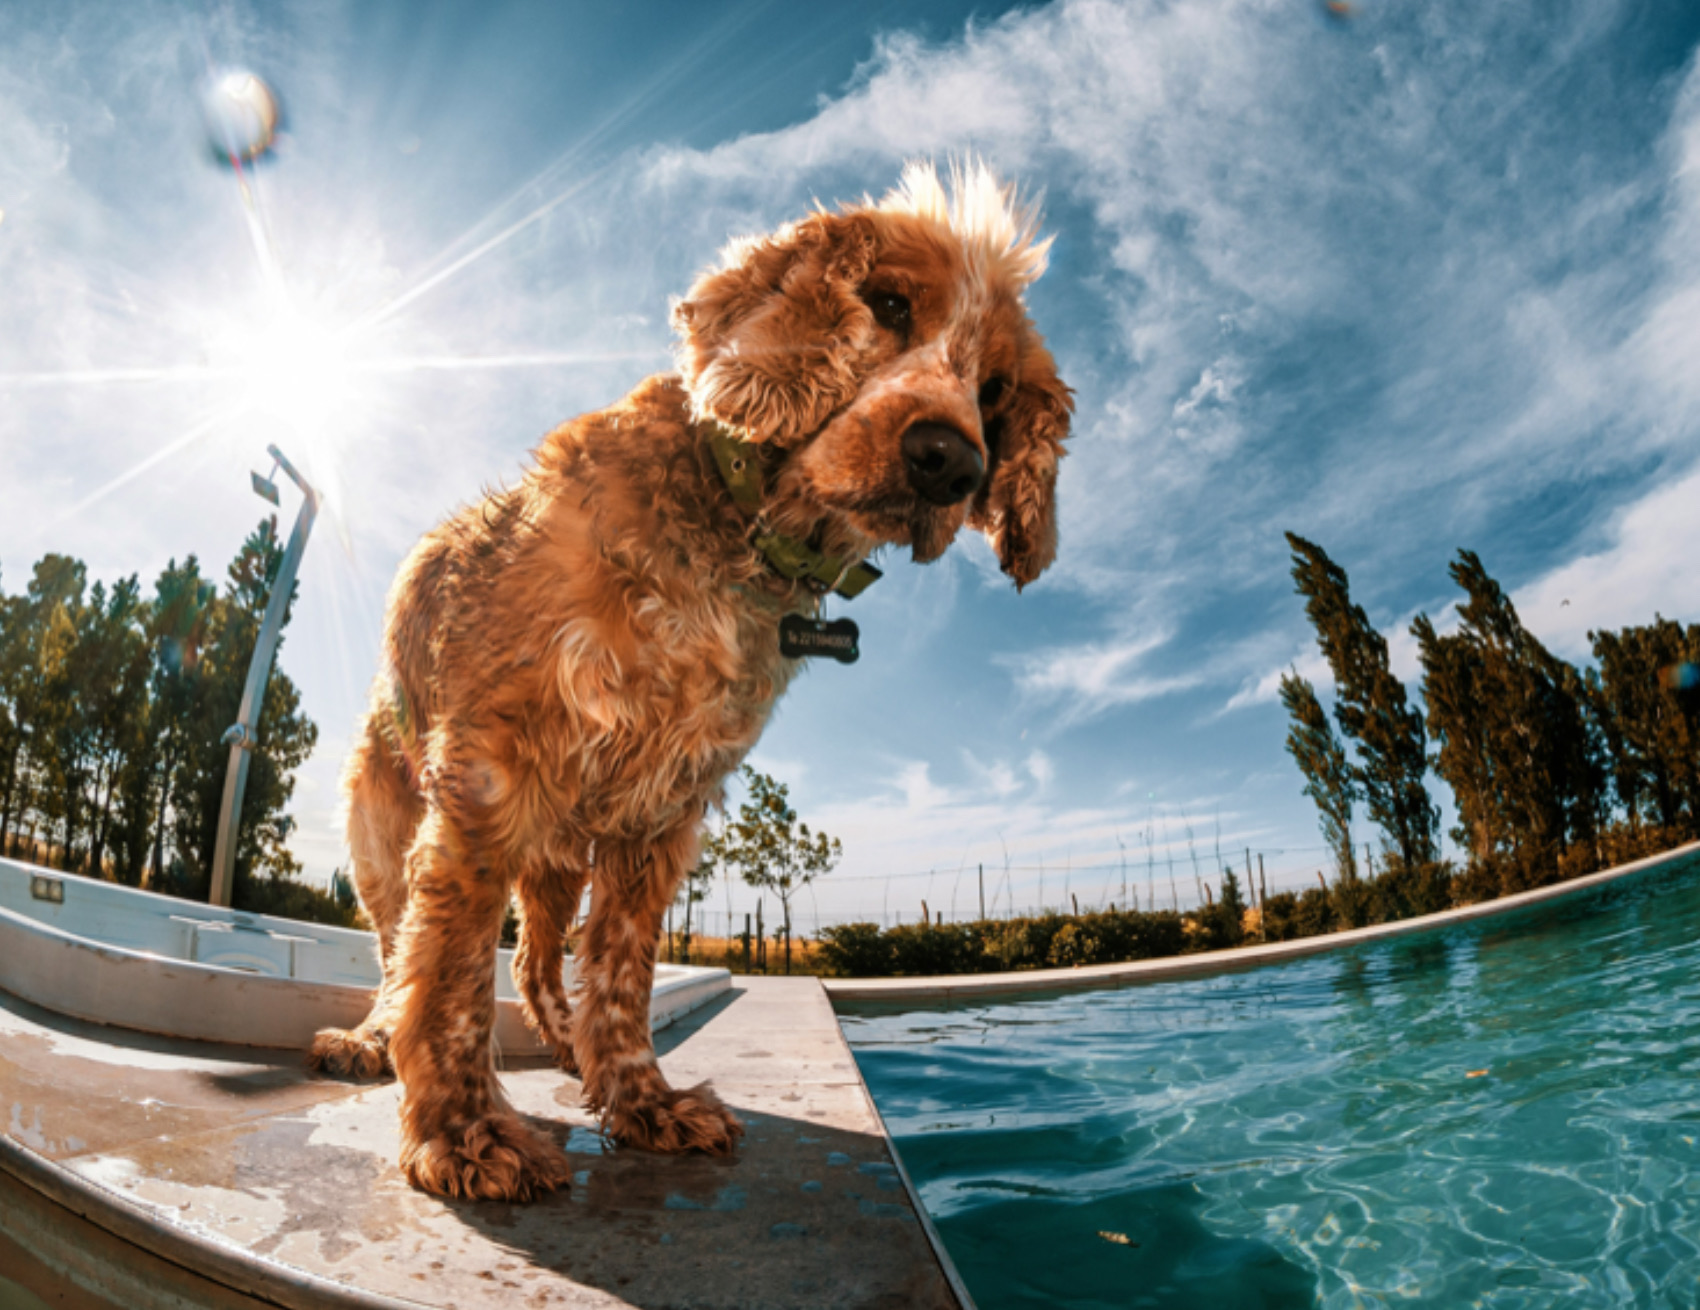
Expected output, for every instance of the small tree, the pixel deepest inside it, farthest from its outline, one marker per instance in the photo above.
(771, 850)
(698, 883)
(1231, 911)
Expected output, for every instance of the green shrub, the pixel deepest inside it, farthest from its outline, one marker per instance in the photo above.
(1074, 944)
(1406, 893)
(1280, 913)
(919, 950)
(1050, 941)
(1287, 916)
(1024, 943)
(855, 950)
(1353, 901)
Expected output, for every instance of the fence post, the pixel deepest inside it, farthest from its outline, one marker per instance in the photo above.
(1262, 898)
(746, 935)
(1076, 900)
(982, 893)
(926, 914)
(761, 941)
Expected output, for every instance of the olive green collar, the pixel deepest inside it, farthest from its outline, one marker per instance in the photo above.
(739, 462)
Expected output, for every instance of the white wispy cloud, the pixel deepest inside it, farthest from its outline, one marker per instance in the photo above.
(1649, 567)
(1084, 680)
(1457, 308)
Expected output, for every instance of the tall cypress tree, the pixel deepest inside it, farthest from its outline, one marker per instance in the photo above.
(1516, 743)
(1646, 697)
(1329, 779)
(1452, 692)
(1370, 708)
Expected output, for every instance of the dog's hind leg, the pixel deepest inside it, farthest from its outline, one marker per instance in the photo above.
(615, 966)
(383, 814)
(459, 1136)
(548, 896)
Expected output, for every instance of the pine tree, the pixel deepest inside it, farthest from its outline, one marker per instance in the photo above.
(56, 733)
(1370, 708)
(113, 705)
(15, 666)
(183, 608)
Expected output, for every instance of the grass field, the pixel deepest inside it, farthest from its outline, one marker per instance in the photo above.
(728, 953)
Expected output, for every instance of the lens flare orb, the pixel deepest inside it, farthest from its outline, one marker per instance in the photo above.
(241, 115)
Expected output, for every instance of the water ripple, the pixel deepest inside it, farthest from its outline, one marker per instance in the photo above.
(1501, 1115)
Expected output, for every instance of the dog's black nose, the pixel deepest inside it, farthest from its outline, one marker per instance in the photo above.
(943, 466)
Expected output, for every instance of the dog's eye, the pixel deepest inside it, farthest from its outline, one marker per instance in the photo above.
(891, 311)
(991, 391)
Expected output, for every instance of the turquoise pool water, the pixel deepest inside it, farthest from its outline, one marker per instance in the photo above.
(1503, 1114)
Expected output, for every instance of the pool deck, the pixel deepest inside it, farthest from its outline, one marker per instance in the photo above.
(146, 1172)
(968, 988)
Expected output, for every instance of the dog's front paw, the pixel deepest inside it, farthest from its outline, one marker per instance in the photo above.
(675, 1120)
(363, 1052)
(496, 1158)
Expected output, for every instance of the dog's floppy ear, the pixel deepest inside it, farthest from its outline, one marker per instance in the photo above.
(1017, 506)
(770, 341)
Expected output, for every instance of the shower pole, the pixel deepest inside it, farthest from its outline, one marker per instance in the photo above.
(242, 734)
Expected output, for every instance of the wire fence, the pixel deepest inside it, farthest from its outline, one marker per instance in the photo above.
(1007, 890)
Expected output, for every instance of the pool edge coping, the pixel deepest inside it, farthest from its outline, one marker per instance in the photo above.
(1035, 981)
(229, 1267)
(941, 1253)
(199, 1255)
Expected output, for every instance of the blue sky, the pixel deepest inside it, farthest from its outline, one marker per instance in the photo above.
(1422, 278)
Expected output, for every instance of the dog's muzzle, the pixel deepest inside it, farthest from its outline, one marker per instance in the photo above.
(942, 464)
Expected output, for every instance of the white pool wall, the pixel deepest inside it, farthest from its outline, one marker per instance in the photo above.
(134, 959)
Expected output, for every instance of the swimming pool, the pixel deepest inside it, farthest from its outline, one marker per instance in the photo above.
(1503, 1113)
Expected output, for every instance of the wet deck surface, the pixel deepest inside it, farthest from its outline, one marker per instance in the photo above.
(289, 1178)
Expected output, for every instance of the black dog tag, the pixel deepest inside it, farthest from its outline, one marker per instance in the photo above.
(800, 637)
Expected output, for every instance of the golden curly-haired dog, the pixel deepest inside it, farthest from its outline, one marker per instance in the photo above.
(573, 666)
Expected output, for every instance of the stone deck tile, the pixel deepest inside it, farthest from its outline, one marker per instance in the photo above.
(298, 1173)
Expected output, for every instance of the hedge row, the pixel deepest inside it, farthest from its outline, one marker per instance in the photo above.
(1060, 941)
(865, 950)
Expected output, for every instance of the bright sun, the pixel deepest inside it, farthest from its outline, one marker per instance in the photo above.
(296, 370)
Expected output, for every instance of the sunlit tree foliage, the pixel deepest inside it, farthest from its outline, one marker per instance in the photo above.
(112, 706)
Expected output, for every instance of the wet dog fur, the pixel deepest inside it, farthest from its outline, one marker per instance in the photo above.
(572, 667)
